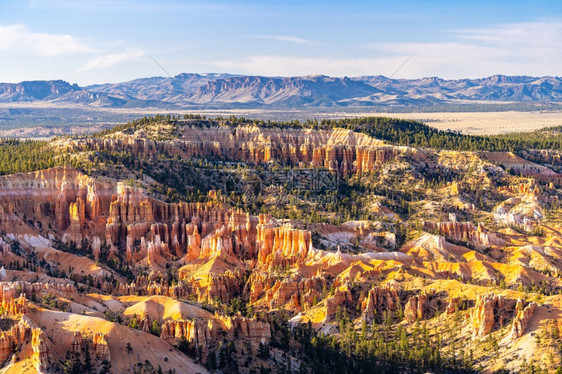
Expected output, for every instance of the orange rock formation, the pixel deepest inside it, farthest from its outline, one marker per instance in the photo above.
(522, 318)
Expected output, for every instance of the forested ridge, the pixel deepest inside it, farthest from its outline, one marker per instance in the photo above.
(25, 155)
(392, 130)
(30, 155)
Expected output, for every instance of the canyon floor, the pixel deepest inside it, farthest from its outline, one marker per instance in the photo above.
(194, 245)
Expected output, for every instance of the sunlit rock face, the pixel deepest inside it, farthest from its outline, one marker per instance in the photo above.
(41, 352)
(342, 151)
(91, 263)
(203, 333)
(522, 318)
(490, 311)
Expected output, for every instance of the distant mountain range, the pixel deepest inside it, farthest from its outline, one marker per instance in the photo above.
(233, 91)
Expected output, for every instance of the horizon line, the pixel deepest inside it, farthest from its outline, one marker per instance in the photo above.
(282, 76)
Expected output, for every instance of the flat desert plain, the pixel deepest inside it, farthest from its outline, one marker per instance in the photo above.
(482, 123)
(485, 122)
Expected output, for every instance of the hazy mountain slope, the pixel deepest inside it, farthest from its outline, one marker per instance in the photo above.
(494, 88)
(157, 88)
(311, 90)
(53, 91)
(35, 90)
(222, 90)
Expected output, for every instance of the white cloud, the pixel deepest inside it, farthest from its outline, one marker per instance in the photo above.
(295, 66)
(283, 38)
(112, 59)
(18, 38)
(533, 48)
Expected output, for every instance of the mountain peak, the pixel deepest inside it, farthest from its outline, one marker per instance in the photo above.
(220, 89)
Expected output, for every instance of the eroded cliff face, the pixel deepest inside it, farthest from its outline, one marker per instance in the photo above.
(101, 348)
(295, 293)
(339, 150)
(18, 334)
(452, 305)
(491, 311)
(465, 232)
(59, 202)
(414, 308)
(42, 356)
(522, 318)
(378, 300)
(12, 290)
(171, 262)
(149, 232)
(281, 246)
(66, 205)
(77, 343)
(11, 305)
(204, 334)
(525, 167)
(21, 336)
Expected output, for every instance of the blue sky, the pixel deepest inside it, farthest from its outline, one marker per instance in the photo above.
(96, 41)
